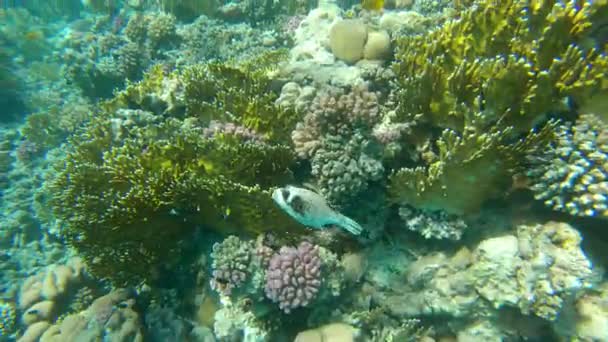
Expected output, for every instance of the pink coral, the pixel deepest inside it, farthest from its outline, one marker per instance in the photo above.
(293, 277)
(338, 114)
(229, 128)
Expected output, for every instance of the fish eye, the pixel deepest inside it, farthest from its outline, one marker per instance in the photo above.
(297, 204)
(285, 193)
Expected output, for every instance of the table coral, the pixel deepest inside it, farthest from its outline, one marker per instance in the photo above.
(571, 175)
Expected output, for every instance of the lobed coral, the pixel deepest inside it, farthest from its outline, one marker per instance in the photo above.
(45, 295)
(571, 175)
(293, 277)
(101, 61)
(487, 82)
(231, 261)
(336, 136)
(111, 317)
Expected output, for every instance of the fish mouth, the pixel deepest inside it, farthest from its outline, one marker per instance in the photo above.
(276, 195)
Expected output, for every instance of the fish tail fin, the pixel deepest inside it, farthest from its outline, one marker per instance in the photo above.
(350, 225)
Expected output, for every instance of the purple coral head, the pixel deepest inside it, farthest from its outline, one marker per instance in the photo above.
(293, 276)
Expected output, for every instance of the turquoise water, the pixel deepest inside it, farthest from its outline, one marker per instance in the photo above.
(248, 170)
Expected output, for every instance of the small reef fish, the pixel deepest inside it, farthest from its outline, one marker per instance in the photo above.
(372, 5)
(310, 209)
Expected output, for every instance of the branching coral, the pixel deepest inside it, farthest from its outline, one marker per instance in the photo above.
(487, 81)
(98, 63)
(8, 318)
(469, 170)
(216, 91)
(571, 175)
(134, 183)
(508, 60)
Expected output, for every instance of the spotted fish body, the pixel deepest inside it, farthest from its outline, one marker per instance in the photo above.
(311, 209)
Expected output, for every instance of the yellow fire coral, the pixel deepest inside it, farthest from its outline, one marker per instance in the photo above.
(486, 81)
(140, 177)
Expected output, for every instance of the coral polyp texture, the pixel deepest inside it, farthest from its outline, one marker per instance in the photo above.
(571, 175)
(336, 136)
(141, 181)
(231, 260)
(483, 86)
(293, 277)
(8, 319)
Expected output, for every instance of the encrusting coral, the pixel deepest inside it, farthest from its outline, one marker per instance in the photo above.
(482, 86)
(571, 175)
(538, 271)
(111, 317)
(144, 172)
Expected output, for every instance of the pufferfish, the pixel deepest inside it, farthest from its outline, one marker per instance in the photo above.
(310, 209)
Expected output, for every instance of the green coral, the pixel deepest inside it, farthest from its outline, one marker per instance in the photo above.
(470, 169)
(189, 9)
(508, 60)
(240, 93)
(134, 183)
(486, 82)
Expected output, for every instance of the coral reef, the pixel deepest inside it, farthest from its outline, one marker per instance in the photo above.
(149, 179)
(111, 317)
(99, 62)
(234, 321)
(470, 169)
(439, 126)
(571, 174)
(293, 277)
(588, 319)
(329, 332)
(189, 9)
(336, 136)
(484, 83)
(45, 295)
(436, 225)
(231, 260)
(537, 271)
(7, 139)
